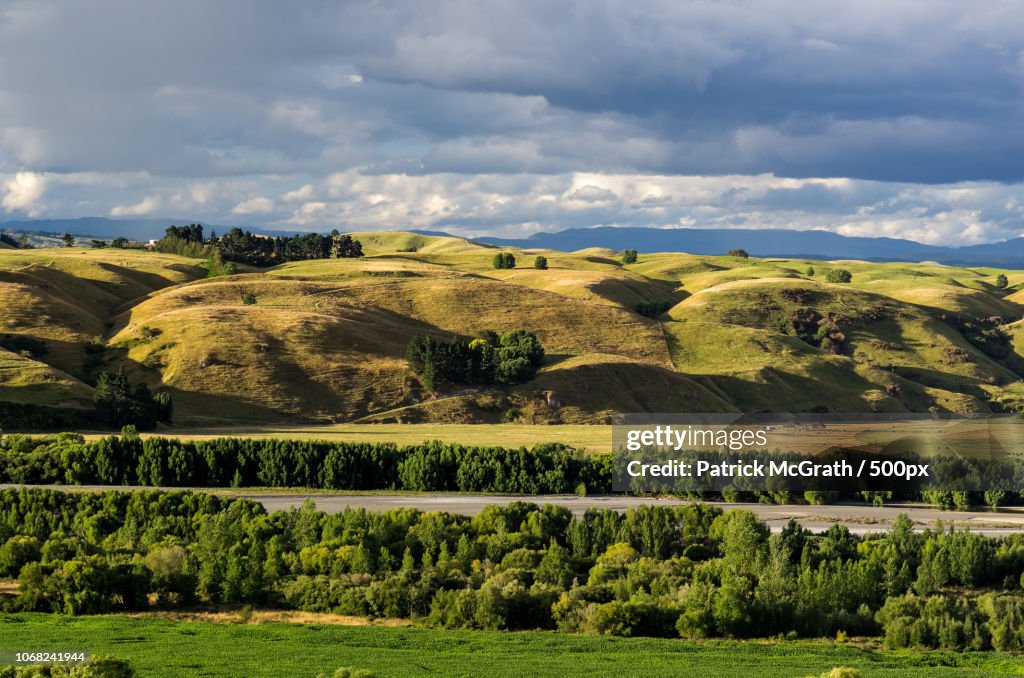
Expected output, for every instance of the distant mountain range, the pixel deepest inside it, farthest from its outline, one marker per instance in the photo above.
(101, 227)
(771, 243)
(758, 242)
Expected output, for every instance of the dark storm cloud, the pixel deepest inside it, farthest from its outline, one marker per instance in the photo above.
(226, 108)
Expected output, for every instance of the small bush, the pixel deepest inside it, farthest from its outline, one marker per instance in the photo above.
(153, 361)
(541, 263)
(248, 298)
(839, 275)
(742, 254)
(652, 309)
(629, 256)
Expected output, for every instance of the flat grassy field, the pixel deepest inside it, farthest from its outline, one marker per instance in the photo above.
(595, 438)
(162, 647)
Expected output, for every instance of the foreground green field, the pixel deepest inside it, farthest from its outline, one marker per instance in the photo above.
(160, 647)
(324, 341)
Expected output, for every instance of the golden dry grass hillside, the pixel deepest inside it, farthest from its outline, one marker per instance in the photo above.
(324, 341)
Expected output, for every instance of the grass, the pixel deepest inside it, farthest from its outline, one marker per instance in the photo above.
(325, 341)
(25, 380)
(887, 345)
(402, 241)
(334, 349)
(162, 647)
(596, 438)
(65, 297)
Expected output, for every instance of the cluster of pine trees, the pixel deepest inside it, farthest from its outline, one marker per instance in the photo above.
(248, 248)
(119, 404)
(186, 241)
(510, 358)
(688, 571)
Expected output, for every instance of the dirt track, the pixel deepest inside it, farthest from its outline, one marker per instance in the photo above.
(859, 518)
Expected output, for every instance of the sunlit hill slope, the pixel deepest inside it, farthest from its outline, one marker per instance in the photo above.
(325, 340)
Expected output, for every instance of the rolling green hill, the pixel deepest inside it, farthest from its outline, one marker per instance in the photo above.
(325, 340)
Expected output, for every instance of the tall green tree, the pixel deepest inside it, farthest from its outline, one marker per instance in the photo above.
(504, 260)
(118, 404)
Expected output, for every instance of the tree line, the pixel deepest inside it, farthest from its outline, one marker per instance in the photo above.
(240, 462)
(244, 247)
(551, 468)
(690, 571)
(18, 242)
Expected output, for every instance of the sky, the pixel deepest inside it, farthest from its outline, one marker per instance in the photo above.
(508, 117)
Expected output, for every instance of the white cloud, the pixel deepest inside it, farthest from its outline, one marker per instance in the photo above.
(519, 204)
(259, 205)
(515, 205)
(146, 206)
(299, 194)
(23, 191)
(310, 214)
